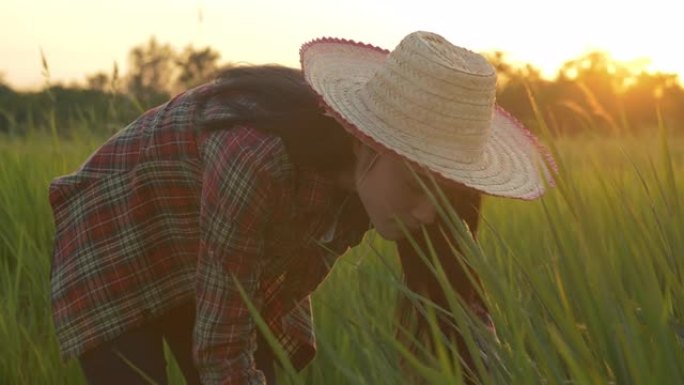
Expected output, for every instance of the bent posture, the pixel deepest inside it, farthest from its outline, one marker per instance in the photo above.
(258, 181)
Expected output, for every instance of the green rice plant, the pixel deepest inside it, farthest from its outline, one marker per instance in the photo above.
(26, 230)
(584, 285)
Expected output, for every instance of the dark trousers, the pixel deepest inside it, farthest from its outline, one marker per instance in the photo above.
(137, 356)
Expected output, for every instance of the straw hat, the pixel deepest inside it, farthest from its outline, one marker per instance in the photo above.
(431, 103)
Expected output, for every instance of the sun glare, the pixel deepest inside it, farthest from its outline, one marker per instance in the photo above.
(84, 37)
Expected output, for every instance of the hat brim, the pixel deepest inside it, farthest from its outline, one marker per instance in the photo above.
(513, 161)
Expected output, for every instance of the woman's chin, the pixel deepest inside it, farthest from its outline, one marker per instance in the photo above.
(391, 233)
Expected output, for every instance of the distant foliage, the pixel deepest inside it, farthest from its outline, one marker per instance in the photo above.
(158, 70)
(106, 102)
(590, 93)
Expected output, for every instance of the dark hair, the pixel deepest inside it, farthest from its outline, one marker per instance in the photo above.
(278, 100)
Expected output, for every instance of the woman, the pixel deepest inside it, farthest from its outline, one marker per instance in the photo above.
(256, 183)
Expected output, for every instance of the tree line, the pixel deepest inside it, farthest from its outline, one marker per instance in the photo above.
(589, 93)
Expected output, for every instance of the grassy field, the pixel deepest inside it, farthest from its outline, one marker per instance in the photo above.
(585, 286)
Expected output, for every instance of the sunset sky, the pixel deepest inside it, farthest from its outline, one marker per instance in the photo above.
(81, 37)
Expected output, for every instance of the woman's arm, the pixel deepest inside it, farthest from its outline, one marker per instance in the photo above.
(241, 185)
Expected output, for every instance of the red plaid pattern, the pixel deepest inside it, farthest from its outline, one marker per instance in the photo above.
(162, 214)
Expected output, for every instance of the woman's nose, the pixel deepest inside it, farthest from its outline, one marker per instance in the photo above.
(425, 212)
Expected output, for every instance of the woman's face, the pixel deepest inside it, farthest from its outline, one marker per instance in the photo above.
(390, 192)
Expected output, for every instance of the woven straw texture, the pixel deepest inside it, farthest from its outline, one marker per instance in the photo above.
(433, 104)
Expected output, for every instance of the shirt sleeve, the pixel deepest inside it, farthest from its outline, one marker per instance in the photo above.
(240, 186)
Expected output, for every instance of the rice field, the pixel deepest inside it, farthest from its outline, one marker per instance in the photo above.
(585, 286)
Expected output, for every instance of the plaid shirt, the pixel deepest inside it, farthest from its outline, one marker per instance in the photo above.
(162, 214)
